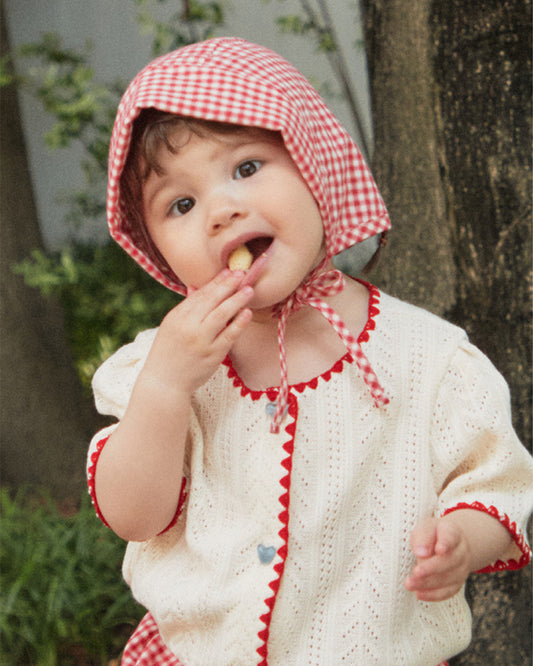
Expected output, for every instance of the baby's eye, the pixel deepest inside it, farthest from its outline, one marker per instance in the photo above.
(247, 168)
(182, 206)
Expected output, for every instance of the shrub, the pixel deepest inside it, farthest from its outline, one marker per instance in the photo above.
(107, 299)
(64, 601)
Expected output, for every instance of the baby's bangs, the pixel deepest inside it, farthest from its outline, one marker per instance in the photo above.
(155, 129)
(158, 129)
(161, 130)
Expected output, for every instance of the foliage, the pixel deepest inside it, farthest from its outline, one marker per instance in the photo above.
(68, 91)
(83, 111)
(106, 297)
(310, 23)
(195, 21)
(63, 599)
(318, 23)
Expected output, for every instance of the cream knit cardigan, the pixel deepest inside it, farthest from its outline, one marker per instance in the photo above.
(292, 548)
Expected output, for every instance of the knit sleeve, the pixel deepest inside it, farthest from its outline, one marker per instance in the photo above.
(112, 386)
(114, 380)
(479, 461)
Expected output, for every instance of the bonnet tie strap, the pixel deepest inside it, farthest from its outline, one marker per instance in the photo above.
(320, 285)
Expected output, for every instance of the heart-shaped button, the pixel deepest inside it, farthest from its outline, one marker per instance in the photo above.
(266, 553)
(270, 409)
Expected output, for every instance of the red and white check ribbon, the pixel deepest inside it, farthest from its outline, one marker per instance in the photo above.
(317, 286)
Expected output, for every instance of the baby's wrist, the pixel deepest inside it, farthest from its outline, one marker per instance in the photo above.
(484, 537)
(156, 387)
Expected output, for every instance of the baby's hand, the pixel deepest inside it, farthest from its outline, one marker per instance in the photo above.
(196, 335)
(443, 560)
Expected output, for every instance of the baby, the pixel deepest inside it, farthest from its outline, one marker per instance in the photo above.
(307, 470)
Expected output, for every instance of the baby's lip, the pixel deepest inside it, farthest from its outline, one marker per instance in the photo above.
(255, 270)
(233, 245)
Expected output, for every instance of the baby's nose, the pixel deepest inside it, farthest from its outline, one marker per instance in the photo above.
(223, 211)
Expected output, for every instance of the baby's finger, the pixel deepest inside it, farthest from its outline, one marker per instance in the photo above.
(438, 594)
(224, 315)
(438, 572)
(448, 538)
(209, 296)
(423, 538)
(426, 578)
(235, 327)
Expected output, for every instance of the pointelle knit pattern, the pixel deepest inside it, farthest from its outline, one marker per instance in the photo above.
(331, 500)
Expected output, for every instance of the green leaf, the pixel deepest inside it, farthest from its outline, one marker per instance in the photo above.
(61, 584)
(294, 24)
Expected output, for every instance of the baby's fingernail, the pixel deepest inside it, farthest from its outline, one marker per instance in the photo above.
(410, 583)
(422, 551)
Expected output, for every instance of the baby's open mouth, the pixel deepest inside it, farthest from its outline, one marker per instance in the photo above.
(245, 254)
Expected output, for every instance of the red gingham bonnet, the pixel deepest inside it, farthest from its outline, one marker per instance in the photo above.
(230, 80)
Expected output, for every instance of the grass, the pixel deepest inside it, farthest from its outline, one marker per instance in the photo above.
(63, 600)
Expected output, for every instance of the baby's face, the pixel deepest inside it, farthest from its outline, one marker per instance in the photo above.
(220, 192)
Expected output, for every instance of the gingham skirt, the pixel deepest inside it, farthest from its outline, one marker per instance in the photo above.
(146, 647)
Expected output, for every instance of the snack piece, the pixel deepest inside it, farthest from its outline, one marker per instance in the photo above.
(240, 259)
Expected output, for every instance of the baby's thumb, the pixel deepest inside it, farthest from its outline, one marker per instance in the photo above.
(424, 537)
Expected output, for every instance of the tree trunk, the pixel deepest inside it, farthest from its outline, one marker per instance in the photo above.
(417, 263)
(45, 420)
(483, 70)
(451, 93)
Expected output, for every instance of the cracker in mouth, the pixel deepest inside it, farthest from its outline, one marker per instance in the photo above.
(240, 259)
(245, 254)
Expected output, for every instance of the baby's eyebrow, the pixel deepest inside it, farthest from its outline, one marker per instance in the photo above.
(250, 139)
(154, 190)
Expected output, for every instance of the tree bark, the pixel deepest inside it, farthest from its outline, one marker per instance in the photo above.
(483, 72)
(45, 420)
(417, 263)
(451, 93)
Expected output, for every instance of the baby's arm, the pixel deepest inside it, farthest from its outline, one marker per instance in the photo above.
(448, 549)
(140, 468)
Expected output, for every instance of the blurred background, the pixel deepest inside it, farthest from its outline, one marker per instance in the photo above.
(119, 44)
(437, 93)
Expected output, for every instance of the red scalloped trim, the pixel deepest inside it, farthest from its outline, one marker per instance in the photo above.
(181, 503)
(518, 537)
(91, 472)
(284, 500)
(373, 311)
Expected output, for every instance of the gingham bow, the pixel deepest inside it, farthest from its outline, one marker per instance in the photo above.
(320, 285)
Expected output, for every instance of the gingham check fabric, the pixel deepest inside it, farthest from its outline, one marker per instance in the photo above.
(146, 648)
(230, 80)
(321, 284)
